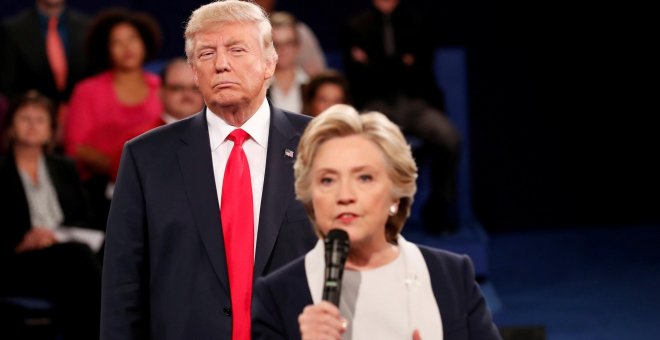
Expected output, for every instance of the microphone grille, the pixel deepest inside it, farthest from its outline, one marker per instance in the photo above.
(338, 234)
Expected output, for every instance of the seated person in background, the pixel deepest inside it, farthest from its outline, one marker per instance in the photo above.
(106, 108)
(356, 173)
(40, 195)
(324, 90)
(286, 87)
(389, 64)
(310, 57)
(180, 98)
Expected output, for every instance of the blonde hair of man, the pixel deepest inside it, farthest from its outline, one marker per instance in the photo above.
(220, 12)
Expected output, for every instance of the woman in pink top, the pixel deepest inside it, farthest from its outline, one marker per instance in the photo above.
(105, 109)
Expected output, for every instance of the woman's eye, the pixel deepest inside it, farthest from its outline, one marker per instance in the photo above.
(326, 180)
(365, 178)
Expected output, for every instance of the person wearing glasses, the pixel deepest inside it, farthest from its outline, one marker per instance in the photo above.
(179, 93)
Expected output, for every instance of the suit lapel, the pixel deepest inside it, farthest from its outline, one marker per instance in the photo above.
(278, 186)
(197, 167)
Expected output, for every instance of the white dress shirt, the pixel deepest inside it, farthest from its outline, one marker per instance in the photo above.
(255, 150)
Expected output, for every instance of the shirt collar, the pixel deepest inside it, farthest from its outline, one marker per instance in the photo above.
(168, 118)
(256, 126)
(301, 76)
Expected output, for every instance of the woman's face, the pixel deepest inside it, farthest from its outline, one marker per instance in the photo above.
(351, 189)
(327, 95)
(127, 51)
(31, 126)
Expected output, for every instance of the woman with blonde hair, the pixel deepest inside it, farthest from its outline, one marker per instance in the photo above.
(356, 173)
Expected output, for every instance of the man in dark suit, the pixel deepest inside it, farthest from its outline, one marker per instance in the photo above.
(172, 242)
(24, 62)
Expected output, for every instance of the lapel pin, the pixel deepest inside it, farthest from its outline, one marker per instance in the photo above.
(288, 153)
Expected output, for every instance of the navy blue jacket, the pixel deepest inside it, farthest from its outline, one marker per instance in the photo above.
(164, 271)
(279, 299)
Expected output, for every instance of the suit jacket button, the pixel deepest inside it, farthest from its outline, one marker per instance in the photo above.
(227, 311)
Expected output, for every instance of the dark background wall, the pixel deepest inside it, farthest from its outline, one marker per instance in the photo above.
(559, 135)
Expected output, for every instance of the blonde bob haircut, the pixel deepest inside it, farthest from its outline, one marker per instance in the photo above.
(342, 120)
(228, 11)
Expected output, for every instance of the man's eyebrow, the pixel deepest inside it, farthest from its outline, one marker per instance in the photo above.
(234, 41)
(204, 45)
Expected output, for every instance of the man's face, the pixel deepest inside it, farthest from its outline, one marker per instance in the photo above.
(51, 3)
(286, 45)
(386, 6)
(179, 94)
(230, 67)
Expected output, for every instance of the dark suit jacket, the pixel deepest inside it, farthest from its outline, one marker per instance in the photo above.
(23, 61)
(384, 77)
(279, 299)
(164, 271)
(14, 209)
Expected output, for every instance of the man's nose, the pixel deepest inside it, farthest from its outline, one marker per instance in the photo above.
(222, 63)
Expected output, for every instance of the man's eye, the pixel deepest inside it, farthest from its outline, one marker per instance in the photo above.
(205, 55)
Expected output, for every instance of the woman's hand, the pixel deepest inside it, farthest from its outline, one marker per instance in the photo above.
(36, 238)
(416, 335)
(321, 321)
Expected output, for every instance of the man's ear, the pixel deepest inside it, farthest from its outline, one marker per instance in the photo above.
(194, 69)
(271, 63)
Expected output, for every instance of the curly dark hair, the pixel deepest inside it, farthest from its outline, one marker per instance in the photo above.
(329, 76)
(98, 38)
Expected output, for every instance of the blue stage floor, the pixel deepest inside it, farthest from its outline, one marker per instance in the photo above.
(584, 284)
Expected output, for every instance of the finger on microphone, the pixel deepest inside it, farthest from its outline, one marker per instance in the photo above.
(321, 319)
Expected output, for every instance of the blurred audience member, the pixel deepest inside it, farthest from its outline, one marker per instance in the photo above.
(180, 97)
(389, 60)
(106, 108)
(43, 49)
(324, 90)
(286, 87)
(41, 195)
(179, 93)
(310, 57)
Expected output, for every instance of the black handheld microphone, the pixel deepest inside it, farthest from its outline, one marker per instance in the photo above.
(336, 251)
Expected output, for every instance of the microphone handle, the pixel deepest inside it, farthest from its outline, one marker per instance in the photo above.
(331, 292)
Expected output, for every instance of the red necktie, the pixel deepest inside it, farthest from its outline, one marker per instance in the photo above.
(237, 217)
(56, 54)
